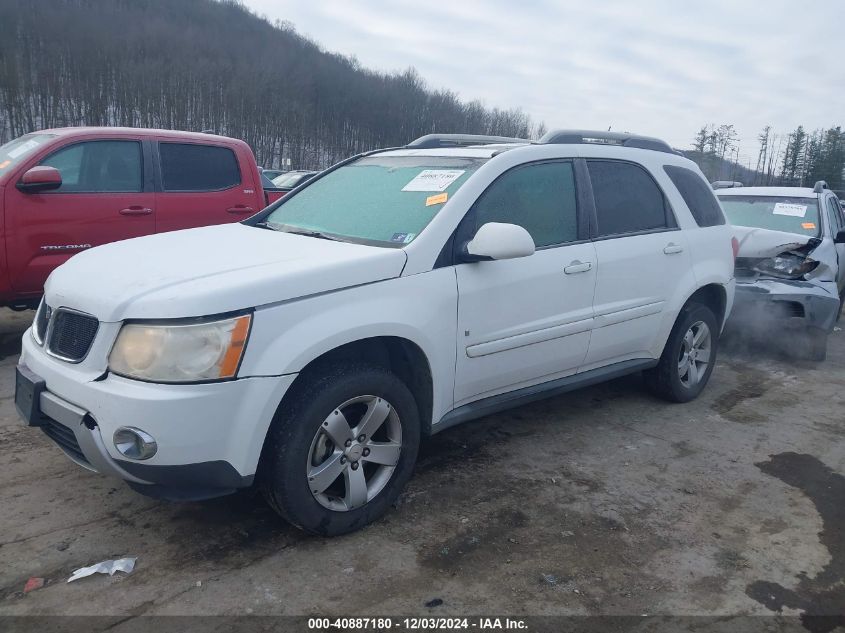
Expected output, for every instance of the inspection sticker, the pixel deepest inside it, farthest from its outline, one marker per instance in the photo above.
(433, 179)
(404, 238)
(5, 164)
(808, 225)
(438, 198)
(795, 210)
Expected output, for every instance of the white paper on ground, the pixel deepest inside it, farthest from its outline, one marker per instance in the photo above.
(106, 567)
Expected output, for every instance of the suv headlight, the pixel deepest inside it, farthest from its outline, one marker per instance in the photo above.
(786, 266)
(183, 352)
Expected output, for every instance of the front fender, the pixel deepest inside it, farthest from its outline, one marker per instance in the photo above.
(421, 308)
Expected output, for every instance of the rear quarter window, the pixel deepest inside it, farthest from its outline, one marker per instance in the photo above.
(697, 195)
(195, 167)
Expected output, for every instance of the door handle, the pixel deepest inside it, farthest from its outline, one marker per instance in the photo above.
(672, 249)
(240, 209)
(135, 210)
(577, 267)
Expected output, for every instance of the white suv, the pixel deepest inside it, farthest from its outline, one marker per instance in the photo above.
(399, 293)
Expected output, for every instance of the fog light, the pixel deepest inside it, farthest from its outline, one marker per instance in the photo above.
(134, 443)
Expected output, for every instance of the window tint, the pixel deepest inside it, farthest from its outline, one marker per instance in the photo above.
(627, 198)
(539, 198)
(697, 194)
(99, 166)
(187, 167)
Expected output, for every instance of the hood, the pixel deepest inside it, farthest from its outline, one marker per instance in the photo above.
(755, 242)
(211, 270)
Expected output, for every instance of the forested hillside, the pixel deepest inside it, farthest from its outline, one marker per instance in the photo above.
(208, 65)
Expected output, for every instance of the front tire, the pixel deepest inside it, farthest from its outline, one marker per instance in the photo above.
(688, 357)
(341, 448)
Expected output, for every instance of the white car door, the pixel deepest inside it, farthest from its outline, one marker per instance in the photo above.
(641, 260)
(527, 320)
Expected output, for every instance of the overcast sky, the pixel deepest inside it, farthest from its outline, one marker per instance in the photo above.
(656, 67)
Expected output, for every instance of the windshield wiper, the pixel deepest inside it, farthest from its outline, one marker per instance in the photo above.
(266, 225)
(286, 228)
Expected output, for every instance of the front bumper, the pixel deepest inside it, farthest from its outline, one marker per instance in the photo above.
(209, 436)
(813, 304)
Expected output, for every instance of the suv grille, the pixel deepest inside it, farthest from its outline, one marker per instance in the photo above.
(65, 438)
(71, 335)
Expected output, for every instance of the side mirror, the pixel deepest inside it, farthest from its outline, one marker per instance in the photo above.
(839, 238)
(495, 240)
(41, 178)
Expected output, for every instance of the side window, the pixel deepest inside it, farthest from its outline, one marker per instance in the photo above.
(697, 194)
(539, 197)
(627, 198)
(190, 167)
(99, 167)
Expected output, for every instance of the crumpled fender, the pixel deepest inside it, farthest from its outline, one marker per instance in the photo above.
(756, 242)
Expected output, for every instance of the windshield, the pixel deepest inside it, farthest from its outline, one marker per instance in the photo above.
(290, 179)
(381, 200)
(778, 213)
(15, 151)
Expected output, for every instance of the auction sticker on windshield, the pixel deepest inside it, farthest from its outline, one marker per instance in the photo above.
(795, 210)
(433, 179)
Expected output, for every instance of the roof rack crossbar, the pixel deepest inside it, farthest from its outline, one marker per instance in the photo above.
(434, 141)
(566, 137)
(820, 186)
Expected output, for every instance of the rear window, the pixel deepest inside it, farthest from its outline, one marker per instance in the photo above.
(14, 152)
(777, 213)
(192, 167)
(697, 194)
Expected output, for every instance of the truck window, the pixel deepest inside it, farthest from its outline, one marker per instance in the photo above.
(99, 167)
(193, 167)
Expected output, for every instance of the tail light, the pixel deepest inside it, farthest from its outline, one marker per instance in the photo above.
(735, 246)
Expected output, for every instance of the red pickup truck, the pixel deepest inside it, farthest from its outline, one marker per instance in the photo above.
(68, 189)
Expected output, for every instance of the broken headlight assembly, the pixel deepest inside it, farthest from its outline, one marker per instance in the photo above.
(180, 353)
(786, 266)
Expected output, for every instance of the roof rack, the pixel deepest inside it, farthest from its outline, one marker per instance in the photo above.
(725, 184)
(820, 186)
(565, 137)
(433, 141)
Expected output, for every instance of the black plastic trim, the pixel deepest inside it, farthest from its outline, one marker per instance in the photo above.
(519, 397)
(186, 482)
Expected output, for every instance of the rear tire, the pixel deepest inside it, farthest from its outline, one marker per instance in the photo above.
(317, 472)
(688, 357)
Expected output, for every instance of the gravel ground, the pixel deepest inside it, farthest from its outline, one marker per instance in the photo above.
(602, 501)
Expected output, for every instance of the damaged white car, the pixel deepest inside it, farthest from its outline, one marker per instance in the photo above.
(790, 269)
